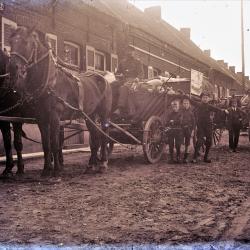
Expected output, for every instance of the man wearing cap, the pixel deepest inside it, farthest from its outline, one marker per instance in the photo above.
(204, 125)
(131, 70)
(235, 117)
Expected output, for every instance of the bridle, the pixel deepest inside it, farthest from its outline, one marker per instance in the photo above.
(29, 63)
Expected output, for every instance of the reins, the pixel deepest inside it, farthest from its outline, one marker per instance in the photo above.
(29, 64)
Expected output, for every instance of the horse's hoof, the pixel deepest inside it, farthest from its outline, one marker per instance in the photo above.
(20, 172)
(103, 167)
(91, 169)
(7, 175)
(56, 173)
(46, 173)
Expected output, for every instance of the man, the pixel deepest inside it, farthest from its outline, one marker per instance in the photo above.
(204, 126)
(131, 69)
(188, 125)
(174, 122)
(233, 97)
(235, 117)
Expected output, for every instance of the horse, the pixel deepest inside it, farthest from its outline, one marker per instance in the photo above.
(57, 95)
(9, 98)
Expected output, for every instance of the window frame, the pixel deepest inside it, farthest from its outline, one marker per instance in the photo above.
(150, 72)
(91, 48)
(78, 53)
(53, 37)
(114, 56)
(104, 61)
(8, 22)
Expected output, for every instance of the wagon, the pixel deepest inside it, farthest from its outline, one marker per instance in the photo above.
(145, 126)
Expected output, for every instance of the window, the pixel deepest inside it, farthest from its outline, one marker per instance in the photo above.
(95, 60)
(52, 41)
(99, 61)
(150, 72)
(7, 28)
(156, 73)
(72, 54)
(114, 63)
(216, 92)
(90, 58)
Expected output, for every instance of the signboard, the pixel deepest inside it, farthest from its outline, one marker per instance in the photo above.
(196, 82)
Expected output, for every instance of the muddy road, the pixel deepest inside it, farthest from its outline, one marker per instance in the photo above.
(132, 202)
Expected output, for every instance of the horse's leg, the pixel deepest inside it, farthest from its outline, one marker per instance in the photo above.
(104, 141)
(55, 138)
(61, 142)
(94, 146)
(17, 127)
(5, 128)
(44, 127)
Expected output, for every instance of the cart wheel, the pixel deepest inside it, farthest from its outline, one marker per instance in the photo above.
(152, 139)
(217, 134)
(110, 146)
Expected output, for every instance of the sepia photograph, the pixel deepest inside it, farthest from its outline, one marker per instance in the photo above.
(125, 124)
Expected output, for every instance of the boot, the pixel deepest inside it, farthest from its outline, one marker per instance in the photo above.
(178, 160)
(185, 158)
(207, 160)
(171, 160)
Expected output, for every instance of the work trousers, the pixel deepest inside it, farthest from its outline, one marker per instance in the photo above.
(234, 134)
(174, 140)
(187, 132)
(204, 132)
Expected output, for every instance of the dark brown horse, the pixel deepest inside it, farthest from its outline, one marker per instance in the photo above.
(49, 87)
(9, 98)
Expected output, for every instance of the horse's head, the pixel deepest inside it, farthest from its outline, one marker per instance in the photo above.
(24, 49)
(8, 72)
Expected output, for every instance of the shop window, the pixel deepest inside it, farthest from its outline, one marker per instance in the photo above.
(52, 41)
(71, 54)
(8, 27)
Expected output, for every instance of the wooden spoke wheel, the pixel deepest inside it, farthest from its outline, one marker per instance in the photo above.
(217, 134)
(152, 139)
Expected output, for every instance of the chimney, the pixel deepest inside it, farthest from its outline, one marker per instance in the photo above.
(232, 69)
(221, 62)
(239, 74)
(154, 12)
(226, 65)
(207, 52)
(247, 78)
(186, 32)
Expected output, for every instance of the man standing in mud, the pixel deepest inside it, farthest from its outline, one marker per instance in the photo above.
(131, 69)
(204, 126)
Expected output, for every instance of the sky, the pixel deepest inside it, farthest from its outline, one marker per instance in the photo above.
(215, 25)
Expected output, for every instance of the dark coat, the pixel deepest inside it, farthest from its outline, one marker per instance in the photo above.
(188, 118)
(131, 67)
(203, 113)
(235, 117)
(174, 119)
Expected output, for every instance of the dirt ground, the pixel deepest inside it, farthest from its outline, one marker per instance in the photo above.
(132, 202)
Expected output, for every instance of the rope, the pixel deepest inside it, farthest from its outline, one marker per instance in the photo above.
(19, 103)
